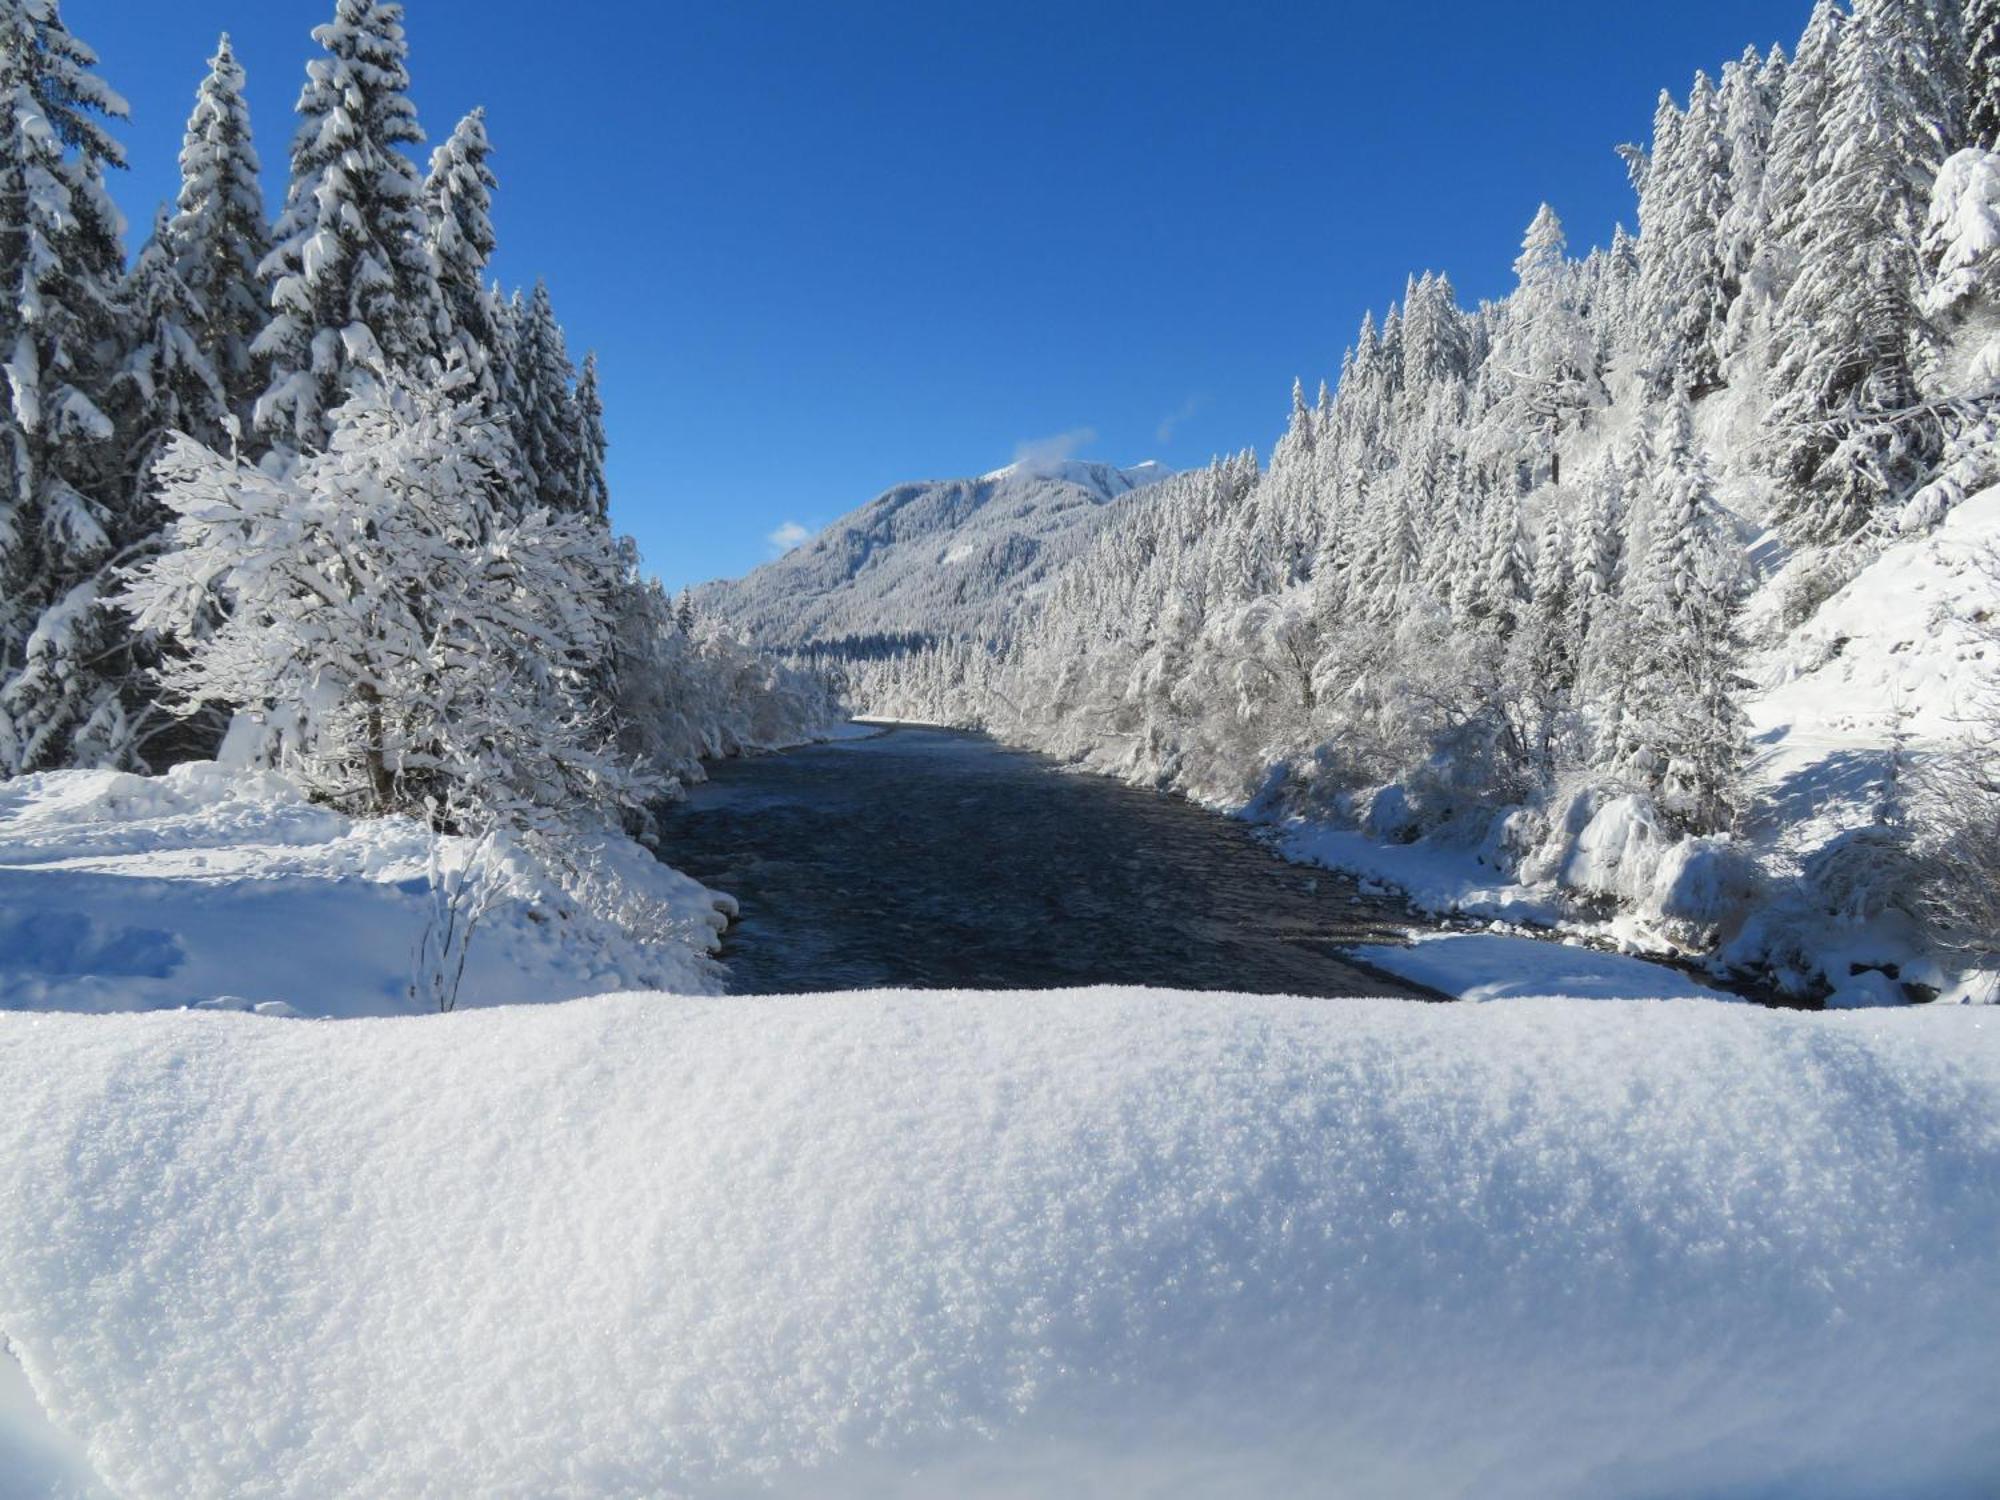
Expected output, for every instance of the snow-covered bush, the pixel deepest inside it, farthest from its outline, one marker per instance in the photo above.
(1957, 851)
(412, 638)
(1862, 874)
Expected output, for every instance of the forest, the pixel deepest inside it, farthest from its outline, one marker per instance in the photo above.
(1518, 580)
(317, 477)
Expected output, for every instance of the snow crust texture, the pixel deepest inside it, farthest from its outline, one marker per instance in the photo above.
(1092, 1243)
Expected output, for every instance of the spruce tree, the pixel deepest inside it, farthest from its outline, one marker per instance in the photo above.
(61, 507)
(458, 208)
(166, 382)
(1686, 288)
(352, 280)
(1685, 738)
(1544, 350)
(1982, 39)
(543, 408)
(1749, 103)
(219, 235)
(1798, 133)
(1845, 438)
(593, 492)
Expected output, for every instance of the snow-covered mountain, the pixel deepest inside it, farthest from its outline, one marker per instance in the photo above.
(932, 557)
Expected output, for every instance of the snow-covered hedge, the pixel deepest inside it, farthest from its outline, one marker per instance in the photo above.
(1096, 1244)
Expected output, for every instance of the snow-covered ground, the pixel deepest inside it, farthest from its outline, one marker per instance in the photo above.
(214, 887)
(1503, 966)
(1098, 1243)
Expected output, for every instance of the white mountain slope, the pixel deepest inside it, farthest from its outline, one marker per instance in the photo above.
(935, 557)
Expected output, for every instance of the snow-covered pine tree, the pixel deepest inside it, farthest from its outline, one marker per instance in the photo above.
(1847, 437)
(458, 209)
(1501, 586)
(219, 235)
(352, 281)
(593, 491)
(60, 504)
(1683, 733)
(1982, 38)
(1544, 350)
(543, 407)
(1685, 288)
(166, 382)
(1434, 334)
(1544, 652)
(1931, 38)
(1751, 88)
(1598, 546)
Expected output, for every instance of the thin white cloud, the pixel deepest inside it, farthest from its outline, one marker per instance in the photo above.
(1165, 431)
(1038, 455)
(787, 537)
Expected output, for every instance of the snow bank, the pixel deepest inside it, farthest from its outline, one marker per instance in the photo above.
(1093, 1243)
(1436, 877)
(1498, 966)
(225, 887)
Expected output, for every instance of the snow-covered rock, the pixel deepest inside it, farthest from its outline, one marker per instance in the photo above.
(1703, 888)
(1618, 853)
(1094, 1244)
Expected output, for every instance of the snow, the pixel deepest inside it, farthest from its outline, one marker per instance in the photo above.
(1100, 1243)
(1497, 966)
(1902, 641)
(226, 888)
(1434, 874)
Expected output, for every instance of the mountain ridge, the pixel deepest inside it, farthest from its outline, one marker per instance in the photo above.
(930, 557)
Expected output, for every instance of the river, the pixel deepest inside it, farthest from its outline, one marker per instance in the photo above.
(931, 858)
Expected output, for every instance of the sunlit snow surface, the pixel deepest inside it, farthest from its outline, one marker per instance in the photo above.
(1498, 966)
(215, 887)
(1097, 1243)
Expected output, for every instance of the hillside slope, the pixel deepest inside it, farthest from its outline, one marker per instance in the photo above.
(931, 557)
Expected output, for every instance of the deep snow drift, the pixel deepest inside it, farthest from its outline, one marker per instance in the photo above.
(1093, 1243)
(215, 887)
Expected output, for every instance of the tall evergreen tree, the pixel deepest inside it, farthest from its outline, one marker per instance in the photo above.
(458, 208)
(1749, 97)
(593, 492)
(1684, 734)
(219, 235)
(1844, 390)
(352, 279)
(166, 383)
(1544, 349)
(543, 416)
(1686, 288)
(60, 500)
(1982, 50)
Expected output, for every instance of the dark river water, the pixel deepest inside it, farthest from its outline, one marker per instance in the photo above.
(926, 857)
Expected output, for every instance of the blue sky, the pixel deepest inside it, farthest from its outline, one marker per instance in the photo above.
(821, 248)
